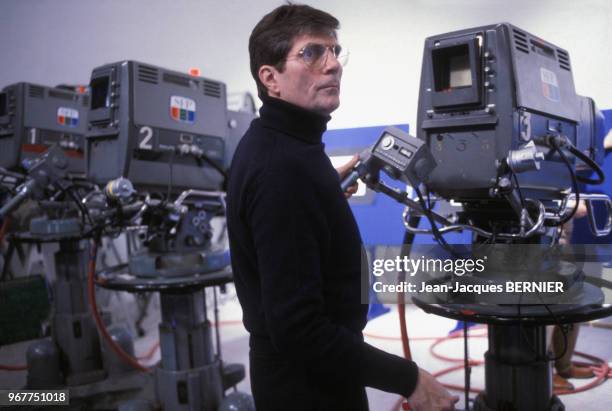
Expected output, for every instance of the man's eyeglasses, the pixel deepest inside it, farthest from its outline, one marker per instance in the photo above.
(315, 55)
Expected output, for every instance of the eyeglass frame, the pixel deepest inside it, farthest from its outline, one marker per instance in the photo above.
(328, 50)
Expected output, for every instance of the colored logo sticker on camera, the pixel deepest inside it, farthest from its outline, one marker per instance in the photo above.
(550, 85)
(67, 117)
(182, 109)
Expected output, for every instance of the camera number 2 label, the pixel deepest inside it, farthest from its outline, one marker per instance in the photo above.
(145, 138)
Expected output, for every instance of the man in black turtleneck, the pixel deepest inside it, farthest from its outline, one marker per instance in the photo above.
(295, 246)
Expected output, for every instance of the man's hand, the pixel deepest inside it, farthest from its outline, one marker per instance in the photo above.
(608, 141)
(343, 171)
(430, 395)
(582, 210)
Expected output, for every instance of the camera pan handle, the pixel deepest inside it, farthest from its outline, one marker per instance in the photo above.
(590, 199)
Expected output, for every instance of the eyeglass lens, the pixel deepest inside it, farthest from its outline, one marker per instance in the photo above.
(316, 54)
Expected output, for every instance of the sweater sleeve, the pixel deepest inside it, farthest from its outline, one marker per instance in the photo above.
(289, 231)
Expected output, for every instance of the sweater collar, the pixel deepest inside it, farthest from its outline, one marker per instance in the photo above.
(293, 120)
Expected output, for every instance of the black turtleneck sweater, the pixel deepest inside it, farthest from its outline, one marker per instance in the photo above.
(296, 255)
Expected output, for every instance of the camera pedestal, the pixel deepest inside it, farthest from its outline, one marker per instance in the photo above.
(518, 372)
(190, 376)
(74, 357)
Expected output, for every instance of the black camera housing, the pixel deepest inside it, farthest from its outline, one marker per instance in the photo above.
(141, 114)
(488, 90)
(35, 117)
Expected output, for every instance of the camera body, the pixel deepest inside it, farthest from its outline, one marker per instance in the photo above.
(490, 90)
(161, 129)
(35, 117)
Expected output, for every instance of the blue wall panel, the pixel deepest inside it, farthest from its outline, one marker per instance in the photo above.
(380, 221)
(582, 234)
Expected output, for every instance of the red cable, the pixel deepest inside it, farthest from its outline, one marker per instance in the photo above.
(13, 367)
(91, 291)
(396, 338)
(382, 337)
(147, 356)
(450, 337)
(401, 308)
(227, 322)
(92, 300)
(150, 352)
(601, 368)
(455, 368)
(5, 226)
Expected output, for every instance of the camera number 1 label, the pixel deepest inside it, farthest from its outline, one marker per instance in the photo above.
(145, 138)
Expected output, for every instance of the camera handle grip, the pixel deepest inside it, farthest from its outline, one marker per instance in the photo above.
(590, 199)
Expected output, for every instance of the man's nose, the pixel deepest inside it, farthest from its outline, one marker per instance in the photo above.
(332, 65)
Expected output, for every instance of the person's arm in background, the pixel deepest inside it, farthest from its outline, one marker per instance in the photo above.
(608, 141)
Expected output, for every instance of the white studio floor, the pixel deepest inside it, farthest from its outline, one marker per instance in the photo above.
(382, 332)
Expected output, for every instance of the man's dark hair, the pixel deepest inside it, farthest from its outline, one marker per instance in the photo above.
(272, 38)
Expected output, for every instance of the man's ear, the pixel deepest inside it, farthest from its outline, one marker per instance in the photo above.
(268, 77)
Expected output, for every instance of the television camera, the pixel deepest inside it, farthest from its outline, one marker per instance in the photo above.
(159, 142)
(45, 162)
(35, 117)
(502, 133)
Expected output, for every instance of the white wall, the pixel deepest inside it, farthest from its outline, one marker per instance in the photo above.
(54, 41)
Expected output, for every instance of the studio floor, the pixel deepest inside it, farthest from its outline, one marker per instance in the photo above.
(382, 332)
